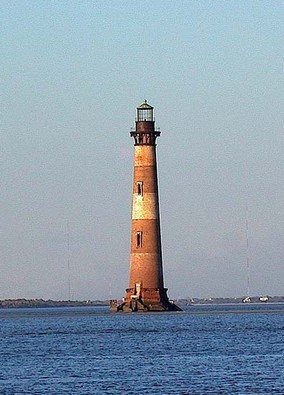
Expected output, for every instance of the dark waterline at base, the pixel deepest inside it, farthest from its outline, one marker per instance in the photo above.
(203, 350)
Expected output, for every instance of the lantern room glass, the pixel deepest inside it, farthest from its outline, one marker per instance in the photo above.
(145, 114)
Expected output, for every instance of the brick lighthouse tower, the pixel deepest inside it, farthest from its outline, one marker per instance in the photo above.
(146, 290)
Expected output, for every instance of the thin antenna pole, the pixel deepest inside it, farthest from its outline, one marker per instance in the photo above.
(247, 252)
(110, 288)
(68, 260)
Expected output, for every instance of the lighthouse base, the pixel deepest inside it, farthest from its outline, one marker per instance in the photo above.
(148, 299)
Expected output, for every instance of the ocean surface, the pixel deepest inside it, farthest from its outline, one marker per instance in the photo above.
(235, 349)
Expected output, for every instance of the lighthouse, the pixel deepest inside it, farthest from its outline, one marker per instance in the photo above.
(146, 291)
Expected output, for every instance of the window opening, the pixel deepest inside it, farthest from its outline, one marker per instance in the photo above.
(139, 239)
(140, 188)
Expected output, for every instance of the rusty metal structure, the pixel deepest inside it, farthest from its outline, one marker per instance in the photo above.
(146, 291)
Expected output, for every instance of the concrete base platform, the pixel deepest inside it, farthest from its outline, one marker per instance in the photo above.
(138, 305)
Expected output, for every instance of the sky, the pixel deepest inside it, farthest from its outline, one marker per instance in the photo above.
(73, 73)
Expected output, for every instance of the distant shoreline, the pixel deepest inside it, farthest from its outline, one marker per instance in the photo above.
(40, 303)
(28, 303)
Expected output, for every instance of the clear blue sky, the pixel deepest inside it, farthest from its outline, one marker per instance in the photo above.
(73, 73)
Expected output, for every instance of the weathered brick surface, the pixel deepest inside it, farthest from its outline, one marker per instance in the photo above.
(146, 285)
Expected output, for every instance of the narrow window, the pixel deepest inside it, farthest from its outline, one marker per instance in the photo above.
(139, 239)
(140, 188)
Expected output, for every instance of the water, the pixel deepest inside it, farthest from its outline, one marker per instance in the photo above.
(204, 350)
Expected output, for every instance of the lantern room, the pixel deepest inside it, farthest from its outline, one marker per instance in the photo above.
(145, 112)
